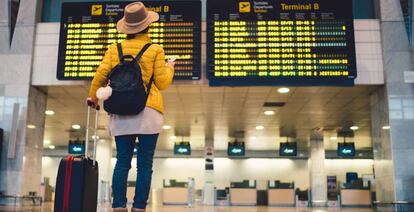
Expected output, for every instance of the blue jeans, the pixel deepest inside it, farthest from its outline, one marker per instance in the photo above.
(145, 153)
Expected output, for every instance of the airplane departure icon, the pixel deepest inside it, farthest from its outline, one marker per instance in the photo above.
(244, 7)
(96, 9)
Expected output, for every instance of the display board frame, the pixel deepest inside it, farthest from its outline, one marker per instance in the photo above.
(265, 11)
(187, 63)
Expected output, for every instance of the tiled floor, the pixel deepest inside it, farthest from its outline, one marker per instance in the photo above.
(107, 208)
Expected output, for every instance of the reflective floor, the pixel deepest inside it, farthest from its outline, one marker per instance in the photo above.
(106, 208)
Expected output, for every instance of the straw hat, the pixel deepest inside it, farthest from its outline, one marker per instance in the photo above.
(136, 18)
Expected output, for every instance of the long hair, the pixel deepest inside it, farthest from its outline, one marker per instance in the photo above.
(132, 36)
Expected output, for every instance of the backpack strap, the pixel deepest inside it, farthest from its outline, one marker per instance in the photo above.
(150, 84)
(120, 55)
(139, 55)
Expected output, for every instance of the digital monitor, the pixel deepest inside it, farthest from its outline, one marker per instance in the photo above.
(288, 149)
(351, 177)
(236, 149)
(346, 149)
(88, 28)
(76, 149)
(182, 148)
(280, 42)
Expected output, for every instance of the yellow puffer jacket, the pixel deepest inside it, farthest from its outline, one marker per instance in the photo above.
(153, 61)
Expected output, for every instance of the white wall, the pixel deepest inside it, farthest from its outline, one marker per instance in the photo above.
(227, 170)
(50, 168)
(367, 46)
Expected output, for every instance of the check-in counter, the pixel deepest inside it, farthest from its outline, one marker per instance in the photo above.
(281, 194)
(175, 193)
(243, 193)
(355, 195)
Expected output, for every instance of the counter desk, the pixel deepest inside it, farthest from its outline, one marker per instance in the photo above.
(175, 193)
(243, 193)
(356, 195)
(281, 194)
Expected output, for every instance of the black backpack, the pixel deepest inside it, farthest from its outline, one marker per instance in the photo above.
(129, 95)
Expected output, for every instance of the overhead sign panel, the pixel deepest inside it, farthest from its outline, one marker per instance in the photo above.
(88, 28)
(280, 42)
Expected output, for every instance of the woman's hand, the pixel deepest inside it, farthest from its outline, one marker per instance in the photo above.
(170, 63)
(94, 103)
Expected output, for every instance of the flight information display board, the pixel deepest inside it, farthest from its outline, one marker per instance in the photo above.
(280, 42)
(88, 28)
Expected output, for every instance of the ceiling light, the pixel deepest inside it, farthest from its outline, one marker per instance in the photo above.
(50, 112)
(354, 128)
(259, 127)
(283, 90)
(269, 112)
(97, 137)
(333, 138)
(52, 147)
(166, 127)
(31, 126)
(173, 137)
(253, 138)
(46, 142)
(386, 127)
(76, 126)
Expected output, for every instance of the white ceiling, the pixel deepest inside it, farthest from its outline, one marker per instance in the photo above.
(200, 112)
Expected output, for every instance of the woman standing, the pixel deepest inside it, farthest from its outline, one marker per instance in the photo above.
(145, 126)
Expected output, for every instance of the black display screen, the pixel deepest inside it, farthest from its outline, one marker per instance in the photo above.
(76, 149)
(88, 28)
(346, 149)
(236, 149)
(280, 42)
(288, 149)
(182, 148)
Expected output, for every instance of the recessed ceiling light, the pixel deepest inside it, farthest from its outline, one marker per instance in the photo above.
(283, 90)
(173, 137)
(31, 126)
(52, 147)
(354, 128)
(76, 126)
(333, 138)
(259, 127)
(46, 142)
(50, 112)
(166, 127)
(269, 112)
(97, 137)
(386, 127)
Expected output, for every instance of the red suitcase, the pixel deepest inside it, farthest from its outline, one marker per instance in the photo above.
(77, 179)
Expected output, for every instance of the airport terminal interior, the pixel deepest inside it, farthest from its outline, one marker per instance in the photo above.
(276, 105)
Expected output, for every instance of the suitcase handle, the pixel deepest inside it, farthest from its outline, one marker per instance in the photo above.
(97, 108)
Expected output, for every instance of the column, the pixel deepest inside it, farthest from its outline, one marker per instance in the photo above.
(208, 189)
(104, 156)
(319, 188)
(393, 111)
(21, 105)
